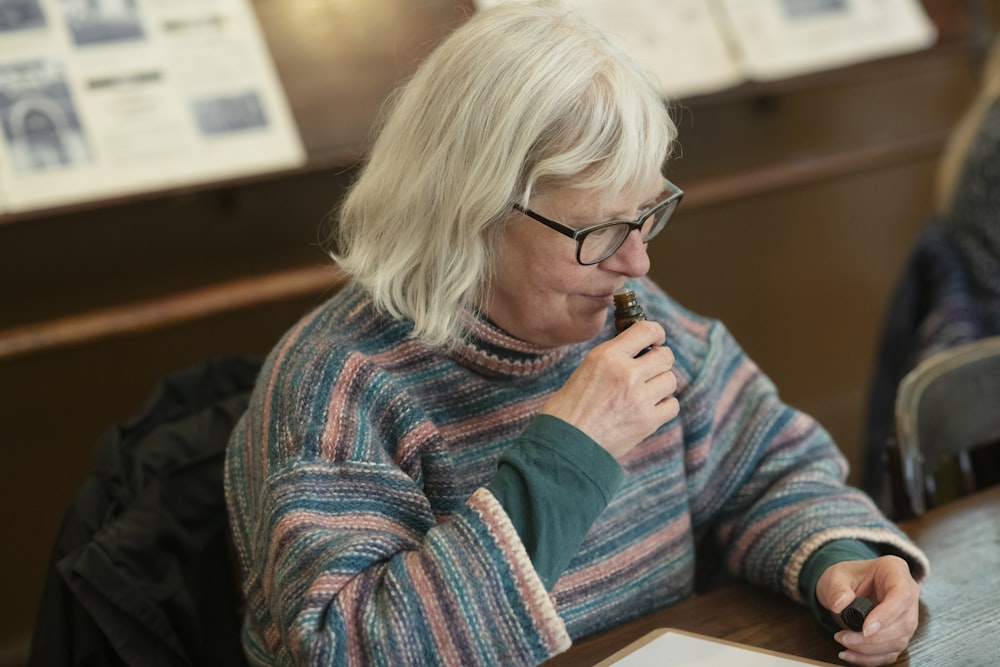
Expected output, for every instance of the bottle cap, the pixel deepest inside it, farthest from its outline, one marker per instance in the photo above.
(854, 614)
(627, 309)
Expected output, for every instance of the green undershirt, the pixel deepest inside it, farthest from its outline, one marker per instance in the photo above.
(555, 481)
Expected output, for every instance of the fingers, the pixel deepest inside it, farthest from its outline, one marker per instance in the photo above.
(644, 342)
(669, 408)
(882, 647)
(617, 398)
(898, 598)
(876, 644)
(663, 385)
(880, 641)
(890, 624)
(641, 336)
(855, 658)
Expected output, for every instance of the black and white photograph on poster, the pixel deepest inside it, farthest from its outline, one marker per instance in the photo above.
(41, 127)
(102, 22)
(16, 15)
(226, 114)
(113, 97)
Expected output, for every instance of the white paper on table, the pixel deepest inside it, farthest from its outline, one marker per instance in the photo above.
(674, 648)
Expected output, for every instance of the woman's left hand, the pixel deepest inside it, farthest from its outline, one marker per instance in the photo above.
(890, 624)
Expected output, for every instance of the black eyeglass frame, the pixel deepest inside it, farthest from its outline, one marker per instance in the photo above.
(580, 235)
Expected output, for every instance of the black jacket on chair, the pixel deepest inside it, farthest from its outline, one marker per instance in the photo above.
(141, 572)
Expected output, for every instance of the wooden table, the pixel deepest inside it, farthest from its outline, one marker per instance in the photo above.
(959, 610)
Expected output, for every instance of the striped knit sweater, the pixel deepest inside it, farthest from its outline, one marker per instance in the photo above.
(355, 484)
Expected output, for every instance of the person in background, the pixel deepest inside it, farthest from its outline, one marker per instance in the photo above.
(948, 292)
(455, 460)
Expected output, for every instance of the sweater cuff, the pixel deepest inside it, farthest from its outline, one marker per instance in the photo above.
(554, 482)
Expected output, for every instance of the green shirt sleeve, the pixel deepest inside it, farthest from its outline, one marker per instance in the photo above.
(832, 552)
(554, 482)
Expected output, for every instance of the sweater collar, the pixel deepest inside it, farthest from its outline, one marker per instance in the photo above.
(492, 350)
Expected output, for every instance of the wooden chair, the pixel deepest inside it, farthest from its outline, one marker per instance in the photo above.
(948, 406)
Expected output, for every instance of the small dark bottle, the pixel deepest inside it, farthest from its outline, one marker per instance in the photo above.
(627, 310)
(854, 614)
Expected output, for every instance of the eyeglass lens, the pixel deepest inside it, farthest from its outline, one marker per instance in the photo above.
(602, 243)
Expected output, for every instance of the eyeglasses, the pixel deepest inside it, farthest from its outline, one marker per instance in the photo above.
(596, 243)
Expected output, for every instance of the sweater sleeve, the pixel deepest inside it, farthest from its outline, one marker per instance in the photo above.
(766, 480)
(345, 558)
(553, 483)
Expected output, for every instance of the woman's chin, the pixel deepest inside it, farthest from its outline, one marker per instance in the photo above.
(582, 331)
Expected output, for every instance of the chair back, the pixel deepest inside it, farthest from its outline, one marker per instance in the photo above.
(948, 405)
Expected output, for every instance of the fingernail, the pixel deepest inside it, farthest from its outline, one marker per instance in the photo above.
(849, 639)
(871, 628)
(836, 603)
(843, 655)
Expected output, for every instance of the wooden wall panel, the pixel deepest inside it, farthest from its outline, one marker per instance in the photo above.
(802, 277)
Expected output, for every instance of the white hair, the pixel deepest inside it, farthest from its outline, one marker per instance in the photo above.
(520, 100)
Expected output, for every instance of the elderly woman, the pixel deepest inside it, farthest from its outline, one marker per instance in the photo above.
(455, 461)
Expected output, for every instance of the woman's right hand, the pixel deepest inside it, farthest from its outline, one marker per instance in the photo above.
(616, 397)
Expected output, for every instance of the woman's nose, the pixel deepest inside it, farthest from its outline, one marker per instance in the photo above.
(631, 259)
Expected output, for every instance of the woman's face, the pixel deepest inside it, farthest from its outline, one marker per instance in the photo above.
(541, 294)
